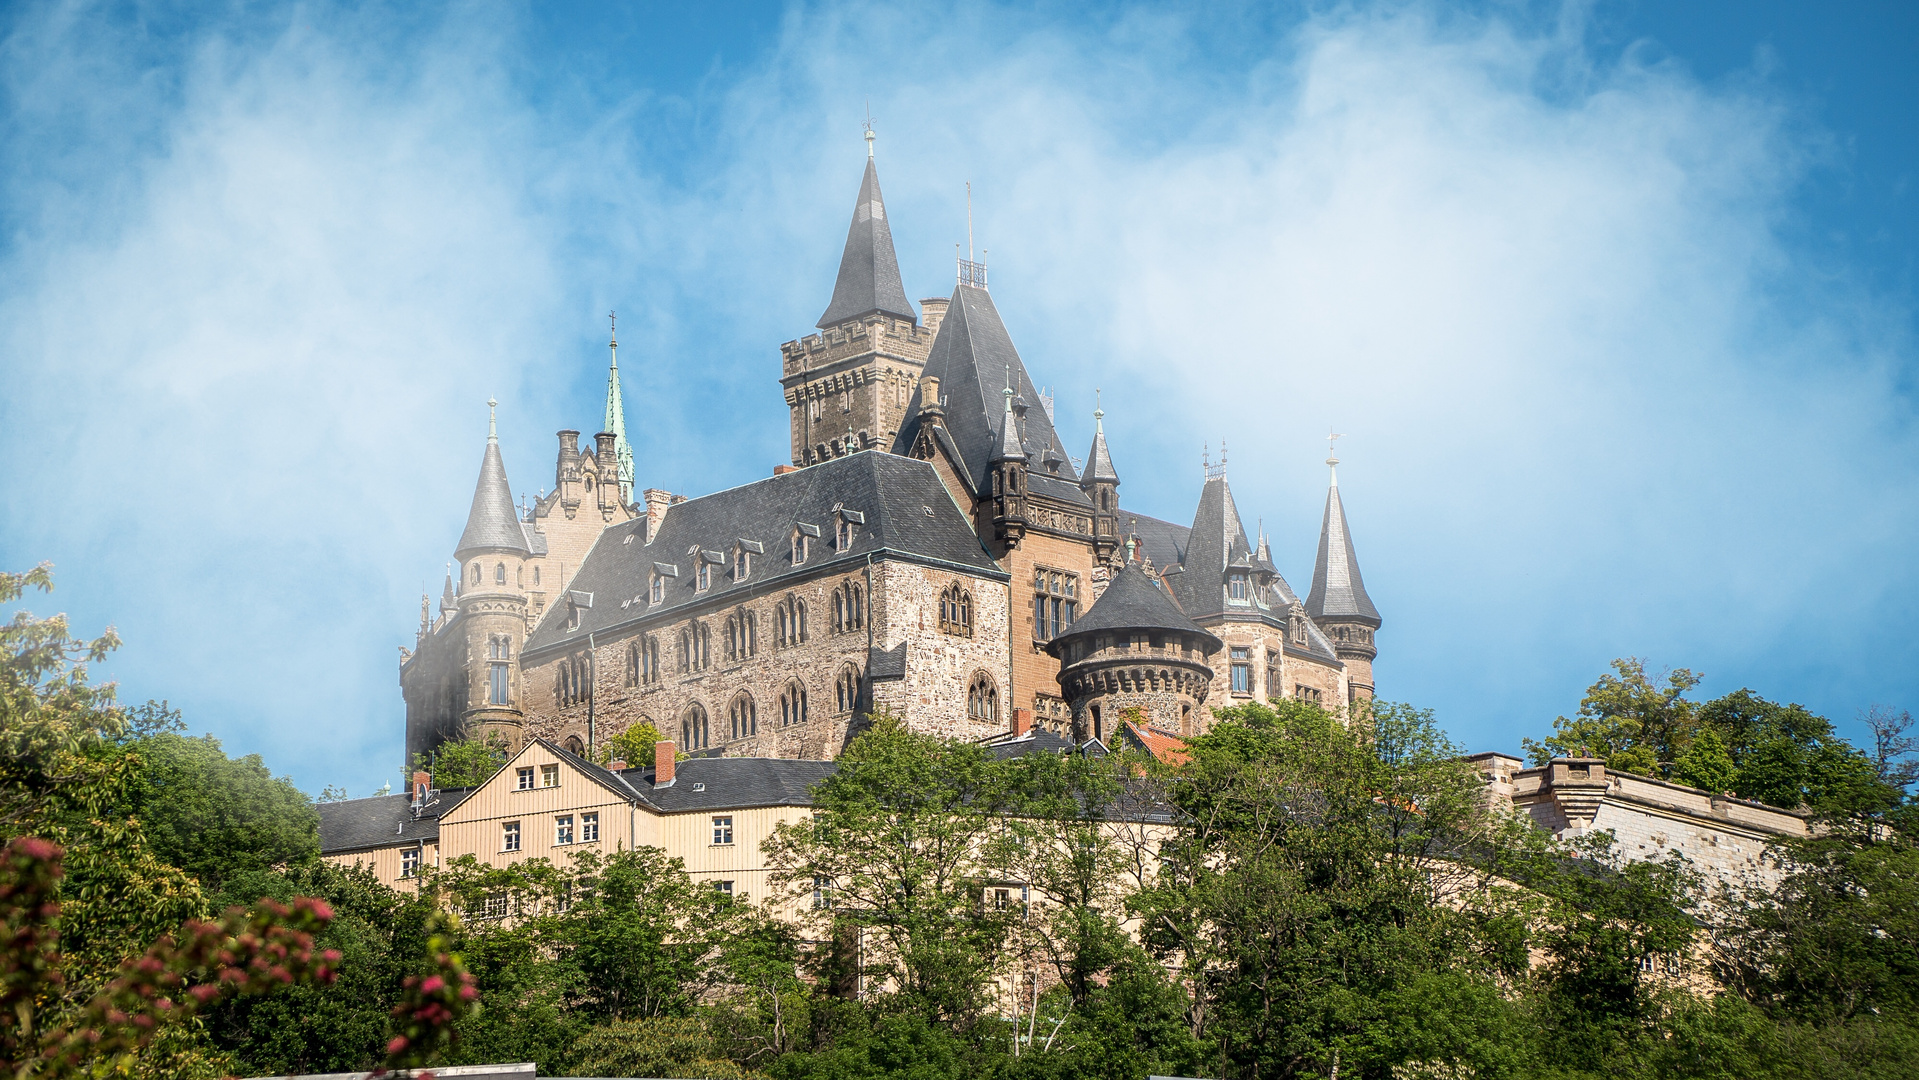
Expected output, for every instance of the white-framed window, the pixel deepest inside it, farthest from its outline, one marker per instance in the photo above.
(510, 836)
(523, 778)
(493, 906)
(589, 827)
(563, 829)
(723, 829)
(822, 892)
(410, 863)
(1242, 669)
(724, 888)
(549, 776)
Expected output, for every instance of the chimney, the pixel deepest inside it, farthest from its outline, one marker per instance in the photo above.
(656, 503)
(1022, 722)
(782, 470)
(606, 456)
(662, 763)
(616, 765)
(421, 783)
(932, 311)
(569, 447)
(930, 408)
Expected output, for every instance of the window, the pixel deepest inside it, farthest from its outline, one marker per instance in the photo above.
(536, 575)
(1242, 669)
(793, 704)
(1055, 600)
(589, 827)
(800, 538)
(563, 829)
(650, 660)
(499, 574)
(822, 892)
(510, 836)
(410, 863)
(742, 562)
(846, 529)
(791, 614)
(724, 888)
(574, 746)
(496, 685)
(693, 733)
(549, 776)
(1236, 588)
(846, 689)
(956, 611)
(743, 717)
(982, 698)
(524, 778)
(686, 651)
(723, 830)
(1306, 693)
(742, 635)
(476, 573)
(657, 591)
(849, 607)
(703, 577)
(1002, 899)
(571, 680)
(702, 647)
(493, 906)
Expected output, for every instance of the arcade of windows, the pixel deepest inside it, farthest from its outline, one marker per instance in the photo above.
(1359, 635)
(849, 607)
(790, 620)
(743, 717)
(572, 680)
(695, 648)
(1307, 693)
(793, 704)
(846, 689)
(742, 635)
(693, 728)
(956, 611)
(643, 661)
(982, 698)
(1055, 599)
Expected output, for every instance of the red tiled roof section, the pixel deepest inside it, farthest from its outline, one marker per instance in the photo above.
(1163, 745)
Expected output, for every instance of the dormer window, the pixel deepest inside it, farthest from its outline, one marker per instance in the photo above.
(846, 528)
(743, 552)
(703, 577)
(804, 533)
(1236, 587)
(657, 588)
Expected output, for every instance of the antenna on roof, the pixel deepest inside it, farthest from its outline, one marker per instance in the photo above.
(971, 272)
(869, 128)
(1332, 458)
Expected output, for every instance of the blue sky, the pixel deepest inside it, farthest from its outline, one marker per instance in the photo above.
(1613, 301)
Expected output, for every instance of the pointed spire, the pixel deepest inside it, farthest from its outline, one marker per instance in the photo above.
(1009, 444)
(1338, 592)
(1099, 462)
(448, 598)
(491, 524)
(616, 413)
(869, 278)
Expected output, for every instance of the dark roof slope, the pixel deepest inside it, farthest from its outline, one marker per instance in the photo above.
(869, 278)
(734, 783)
(972, 357)
(1133, 600)
(492, 524)
(1164, 542)
(1338, 590)
(380, 821)
(1217, 541)
(908, 511)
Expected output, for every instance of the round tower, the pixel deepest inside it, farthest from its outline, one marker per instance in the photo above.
(1134, 656)
(492, 602)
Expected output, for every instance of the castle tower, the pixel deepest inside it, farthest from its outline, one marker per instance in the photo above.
(1101, 485)
(1338, 603)
(1134, 656)
(492, 556)
(859, 373)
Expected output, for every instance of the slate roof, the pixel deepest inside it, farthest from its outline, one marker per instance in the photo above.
(1133, 600)
(1163, 541)
(971, 357)
(1338, 590)
(1099, 461)
(908, 511)
(1218, 541)
(731, 783)
(492, 524)
(380, 821)
(869, 278)
(1036, 740)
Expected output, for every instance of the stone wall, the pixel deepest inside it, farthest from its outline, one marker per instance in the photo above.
(858, 375)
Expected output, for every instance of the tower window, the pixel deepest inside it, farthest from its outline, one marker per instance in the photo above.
(496, 685)
(846, 689)
(982, 698)
(956, 610)
(536, 575)
(476, 573)
(1236, 587)
(793, 704)
(1242, 671)
(744, 717)
(1055, 602)
(499, 574)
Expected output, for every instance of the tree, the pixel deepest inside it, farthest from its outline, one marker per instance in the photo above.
(1706, 764)
(53, 719)
(634, 745)
(1787, 755)
(463, 763)
(1628, 718)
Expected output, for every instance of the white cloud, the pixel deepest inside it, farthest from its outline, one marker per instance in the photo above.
(1593, 404)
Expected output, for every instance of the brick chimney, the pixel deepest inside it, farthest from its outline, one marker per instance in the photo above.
(616, 765)
(782, 470)
(662, 761)
(421, 783)
(1022, 722)
(657, 501)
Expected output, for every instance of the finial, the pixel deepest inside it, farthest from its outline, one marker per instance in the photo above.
(1332, 458)
(1130, 544)
(869, 129)
(492, 423)
(1099, 414)
(1009, 388)
(613, 330)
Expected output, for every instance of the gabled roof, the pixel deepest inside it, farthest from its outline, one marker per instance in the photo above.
(732, 783)
(869, 278)
(972, 357)
(381, 821)
(909, 514)
(492, 524)
(1164, 745)
(1133, 600)
(1338, 591)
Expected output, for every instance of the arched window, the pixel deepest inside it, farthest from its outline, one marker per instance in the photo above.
(499, 573)
(799, 545)
(693, 733)
(536, 575)
(750, 631)
(686, 651)
(956, 610)
(743, 717)
(793, 704)
(574, 746)
(982, 698)
(562, 691)
(792, 617)
(702, 647)
(799, 619)
(650, 660)
(849, 607)
(634, 664)
(476, 573)
(732, 635)
(846, 689)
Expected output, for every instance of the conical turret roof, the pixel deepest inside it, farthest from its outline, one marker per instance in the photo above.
(1217, 544)
(492, 524)
(869, 278)
(1338, 592)
(1134, 600)
(1099, 462)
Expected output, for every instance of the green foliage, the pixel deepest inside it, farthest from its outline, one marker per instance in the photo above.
(1706, 764)
(215, 816)
(634, 745)
(655, 1046)
(463, 763)
(1628, 718)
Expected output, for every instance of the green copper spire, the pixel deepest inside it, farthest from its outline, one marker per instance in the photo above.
(616, 414)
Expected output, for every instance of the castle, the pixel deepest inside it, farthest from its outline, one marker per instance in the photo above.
(931, 550)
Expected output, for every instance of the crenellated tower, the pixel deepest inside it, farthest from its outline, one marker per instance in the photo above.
(849, 385)
(1338, 603)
